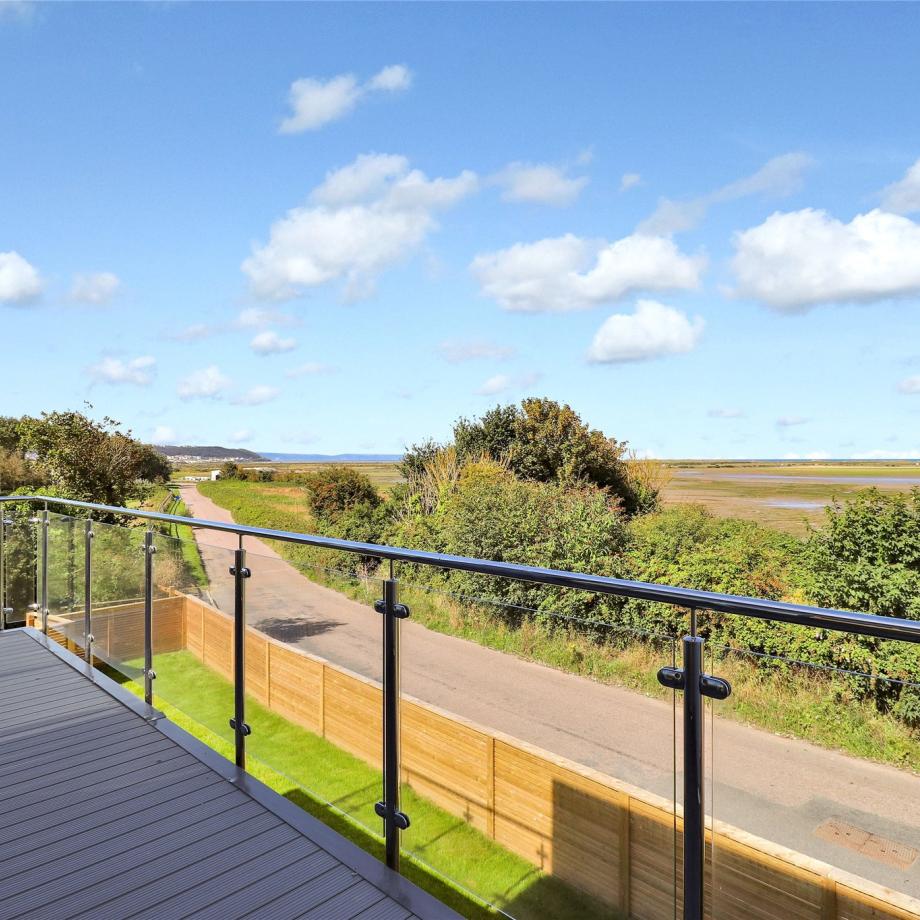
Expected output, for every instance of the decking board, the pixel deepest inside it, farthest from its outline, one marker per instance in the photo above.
(107, 810)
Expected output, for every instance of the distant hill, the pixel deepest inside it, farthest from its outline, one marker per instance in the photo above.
(334, 458)
(209, 452)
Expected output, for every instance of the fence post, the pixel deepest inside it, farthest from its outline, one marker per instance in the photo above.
(88, 590)
(238, 723)
(2, 568)
(5, 610)
(693, 778)
(695, 685)
(45, 523)
(394, 820)
(149, 673)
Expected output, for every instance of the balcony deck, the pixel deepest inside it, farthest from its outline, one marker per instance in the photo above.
(109, 810)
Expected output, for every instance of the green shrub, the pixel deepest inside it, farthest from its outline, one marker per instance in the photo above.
(490, 514)
(867, 555)
(333, 490)
(686, 546)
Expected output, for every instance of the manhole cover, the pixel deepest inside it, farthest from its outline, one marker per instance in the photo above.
(873, 846)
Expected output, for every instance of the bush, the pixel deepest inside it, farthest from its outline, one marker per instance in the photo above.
(688, 547)
(333, 490)
(867, 555)
(230, 470)
(490, 514)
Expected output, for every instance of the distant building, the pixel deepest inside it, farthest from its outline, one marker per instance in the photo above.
(215, 475)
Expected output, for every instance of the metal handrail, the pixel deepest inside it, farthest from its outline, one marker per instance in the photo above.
(867, 624)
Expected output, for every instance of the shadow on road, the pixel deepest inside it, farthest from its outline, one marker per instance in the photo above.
(290, 629)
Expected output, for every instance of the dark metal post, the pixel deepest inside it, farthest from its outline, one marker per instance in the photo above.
(694, 831)
(5, 611)
(238, 723)
(149, 673)
(2, 569)
(88, 590)
(394, 820)
(45, 524)
(695, 685)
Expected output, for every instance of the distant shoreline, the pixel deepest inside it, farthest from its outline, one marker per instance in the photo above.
(331, 458)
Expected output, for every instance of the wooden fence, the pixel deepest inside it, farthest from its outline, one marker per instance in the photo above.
(598, 834)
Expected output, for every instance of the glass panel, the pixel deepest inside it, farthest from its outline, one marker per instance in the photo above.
(19, 564)
(313, 663)
(193, 641)
(118, 598)
(539, 778)
(815, 796)
(66, 581)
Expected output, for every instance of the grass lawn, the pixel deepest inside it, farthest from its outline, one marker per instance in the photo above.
(341, 790)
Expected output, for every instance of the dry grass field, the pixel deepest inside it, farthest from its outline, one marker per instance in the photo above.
(787, 495)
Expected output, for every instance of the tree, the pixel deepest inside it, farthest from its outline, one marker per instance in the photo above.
(545, 441)
(416, 457)
(88, 460)
(17, 473)
(494, 435)
(9, 434)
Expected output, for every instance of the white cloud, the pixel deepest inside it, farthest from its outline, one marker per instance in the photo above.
(138, 371)
(207, 383)
(630, 180)
(790, 421)
(363, 180)
(903, 196)
(795, 260)
(242, 436)
(570, 273)
(361, 219)
(20, 282)
(194, 333)
(163, 434)
(315, 103)
(725, 413)
(540, 183)
(497, 384)
(310, 369)
(910, 384)
(780, 176)
(256, 396)
(17, 9)
(270, 343)
(652, 331)
(257, 317)
(456, 352)
(392, 78)
(501, 383)
(94, 288)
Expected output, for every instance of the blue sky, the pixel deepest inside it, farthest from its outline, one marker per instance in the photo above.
(336, 228)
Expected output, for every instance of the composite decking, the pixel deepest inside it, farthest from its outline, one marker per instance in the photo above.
(109, 810)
